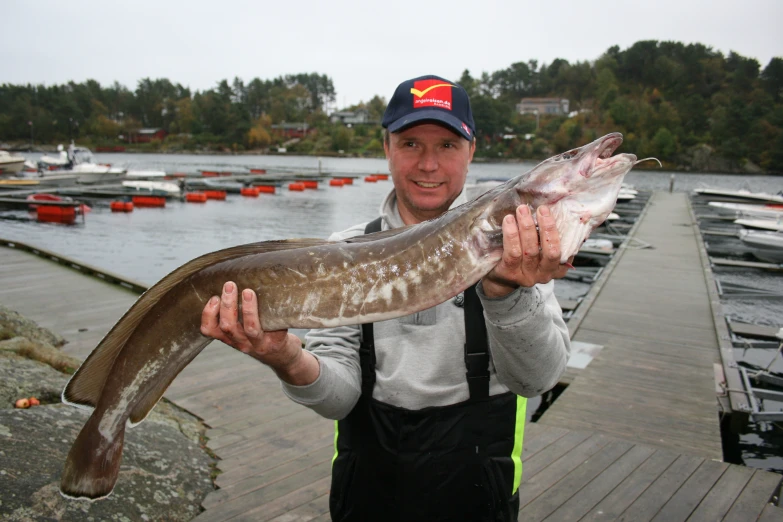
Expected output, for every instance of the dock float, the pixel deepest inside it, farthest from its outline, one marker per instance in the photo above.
(276, 455)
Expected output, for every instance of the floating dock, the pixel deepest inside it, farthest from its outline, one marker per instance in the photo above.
(635, 436)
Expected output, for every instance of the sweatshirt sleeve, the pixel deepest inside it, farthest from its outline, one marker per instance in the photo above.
(338, 386)
(528, 338)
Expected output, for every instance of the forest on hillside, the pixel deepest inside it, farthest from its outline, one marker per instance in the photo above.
(688, 105)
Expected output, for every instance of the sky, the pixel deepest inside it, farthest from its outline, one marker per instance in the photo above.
(365, 47)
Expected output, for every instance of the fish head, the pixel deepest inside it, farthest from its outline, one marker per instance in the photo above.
(579, 186)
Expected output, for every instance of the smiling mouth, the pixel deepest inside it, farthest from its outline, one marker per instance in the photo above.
(424, 184)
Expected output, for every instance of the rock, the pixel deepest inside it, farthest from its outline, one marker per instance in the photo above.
(41, 352)
(13, 324)
(165, 473)
(22, 377)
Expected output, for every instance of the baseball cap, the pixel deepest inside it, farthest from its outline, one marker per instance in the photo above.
(430, 98)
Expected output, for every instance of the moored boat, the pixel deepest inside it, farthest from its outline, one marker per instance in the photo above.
(766, 246)
(739, 195)
(747, 210)
(10, 164)
(775, 225)
(147, 185)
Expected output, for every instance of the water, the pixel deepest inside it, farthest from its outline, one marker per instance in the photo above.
(146, 244)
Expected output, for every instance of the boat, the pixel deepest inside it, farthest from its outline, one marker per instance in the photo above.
(145, 174)
(164, 186)
(764, 245)
(740, 195)
(9, 163)
(768, 211)
(78, 161)
(775, 225)
(43, 196)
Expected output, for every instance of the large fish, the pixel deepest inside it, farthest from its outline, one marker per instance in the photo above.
(314, 283)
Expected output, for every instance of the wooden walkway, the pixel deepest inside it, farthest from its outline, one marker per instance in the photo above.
(276, 456)
(653, 382)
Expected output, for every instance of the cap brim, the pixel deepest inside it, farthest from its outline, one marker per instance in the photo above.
(434, 115)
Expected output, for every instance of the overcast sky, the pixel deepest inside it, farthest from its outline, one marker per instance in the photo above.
(366, 47)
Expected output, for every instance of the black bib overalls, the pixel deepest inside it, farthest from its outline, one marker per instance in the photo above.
(450, 463)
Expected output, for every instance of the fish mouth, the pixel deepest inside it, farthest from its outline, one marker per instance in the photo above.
(609, 144)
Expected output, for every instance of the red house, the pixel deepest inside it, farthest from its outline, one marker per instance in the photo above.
(148, 135)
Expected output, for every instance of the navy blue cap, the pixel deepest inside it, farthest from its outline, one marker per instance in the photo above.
(430, 98)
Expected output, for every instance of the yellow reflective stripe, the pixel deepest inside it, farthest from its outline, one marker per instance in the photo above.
(336, 429)
(519, 436)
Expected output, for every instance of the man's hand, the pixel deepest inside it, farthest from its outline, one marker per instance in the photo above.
(279, 350)
(530, 256)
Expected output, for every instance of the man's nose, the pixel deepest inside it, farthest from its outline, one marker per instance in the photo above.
(428, 162)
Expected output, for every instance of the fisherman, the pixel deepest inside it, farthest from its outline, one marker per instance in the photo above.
(430, 407)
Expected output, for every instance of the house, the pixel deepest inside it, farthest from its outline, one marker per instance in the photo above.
(357, 117)
(148, 135)
(291, 130)
(554, 106)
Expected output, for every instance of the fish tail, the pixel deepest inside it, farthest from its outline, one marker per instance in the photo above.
(93, 463)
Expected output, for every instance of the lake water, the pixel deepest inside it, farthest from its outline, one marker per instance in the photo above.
(146, 244)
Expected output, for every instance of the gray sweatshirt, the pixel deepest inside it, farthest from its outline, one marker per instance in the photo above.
(420, 357)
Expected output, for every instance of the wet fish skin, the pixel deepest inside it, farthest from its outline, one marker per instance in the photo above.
(313, 283)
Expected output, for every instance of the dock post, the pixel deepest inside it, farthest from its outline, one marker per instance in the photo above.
(671, 184)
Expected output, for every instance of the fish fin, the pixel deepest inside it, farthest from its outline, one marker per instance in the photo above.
(154, 392)
(93, 463)
(85, 386)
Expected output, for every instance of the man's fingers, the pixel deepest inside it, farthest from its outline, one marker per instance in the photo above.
(550, 240)
(512, 248)
(229, 315)
(250, 314)
(529, 238)
(210, 317)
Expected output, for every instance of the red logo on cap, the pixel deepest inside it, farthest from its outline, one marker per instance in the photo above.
(431, 93)
(466, 129)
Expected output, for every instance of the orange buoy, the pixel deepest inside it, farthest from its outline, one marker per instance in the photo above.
(266, 189)
(219, 195)
(209, 173)
(121, 206)
(251, 192)
(258, 171)
(310, 184)
(177, 175)
(149, 201)
(370, 179)
(336, 183)
(56, 214)
(296, 186)
(381, 176)
(196, 197)
(347, 181)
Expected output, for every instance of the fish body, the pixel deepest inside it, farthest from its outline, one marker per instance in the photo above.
(314, 283)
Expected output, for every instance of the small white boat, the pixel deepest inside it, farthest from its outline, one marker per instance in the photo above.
(80, 162)
(146, 185)
(766, 246)
(748, 210)
(9, 163)
(776, 225)
(740, 195)
(145, 174)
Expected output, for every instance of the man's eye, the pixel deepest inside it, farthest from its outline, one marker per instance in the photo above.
(410, 143)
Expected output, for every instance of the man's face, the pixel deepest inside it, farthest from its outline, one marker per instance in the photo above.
(428, 164)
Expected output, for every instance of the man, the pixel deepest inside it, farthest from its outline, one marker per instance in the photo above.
(430, 406)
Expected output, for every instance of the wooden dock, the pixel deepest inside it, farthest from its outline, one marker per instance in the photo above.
(653, 382)
(276, 455)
